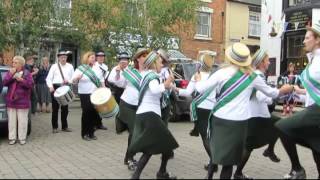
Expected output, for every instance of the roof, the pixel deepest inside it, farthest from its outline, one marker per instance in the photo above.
(177, 55)
(254, 2)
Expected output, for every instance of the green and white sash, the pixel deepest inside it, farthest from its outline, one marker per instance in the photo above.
(87, 70)
(231, 89)
(311, 85)
(198, 100)
(145, 84)
(133, 76)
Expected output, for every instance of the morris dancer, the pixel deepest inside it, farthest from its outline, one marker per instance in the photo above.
(201, 106)
(151, 135)
(304, 127)
(129, 100)
(229, 121)
(261, 130)
(88, 82)
(59, 74)
(164, 75)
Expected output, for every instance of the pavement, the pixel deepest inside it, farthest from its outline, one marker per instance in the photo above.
(66, 156)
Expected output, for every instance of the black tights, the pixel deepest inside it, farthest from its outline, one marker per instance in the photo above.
(316, 157)
(271, 145)
(144, 160)
(243, 162)
(291, 149)
(206, 145)
(128, 155)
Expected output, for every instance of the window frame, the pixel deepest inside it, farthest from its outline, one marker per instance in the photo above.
(208, 12)
(254, 23)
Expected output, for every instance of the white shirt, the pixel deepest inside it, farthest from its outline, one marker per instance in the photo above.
(151, 99)
(314, 71)
(100, 69)
(164, 74)
(85, 85)
(112, 78)
(209, 102)
(238, 108)
(54, 75)
(130, 94)
(259, 103)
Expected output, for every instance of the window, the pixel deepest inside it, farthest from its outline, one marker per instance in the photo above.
(254, 24)
(204, 25)
(295, 46)
(62, 11)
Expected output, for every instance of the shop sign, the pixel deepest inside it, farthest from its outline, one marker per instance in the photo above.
(298, 19)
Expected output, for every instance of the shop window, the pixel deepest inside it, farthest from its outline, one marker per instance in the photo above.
(254, 24)
(295, 46)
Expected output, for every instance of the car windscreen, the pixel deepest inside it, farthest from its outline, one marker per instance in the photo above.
(189, 70)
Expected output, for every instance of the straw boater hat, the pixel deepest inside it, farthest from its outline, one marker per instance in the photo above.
(315, 28)
(163, 54)
(239, 54)
(258, 57)
(100, 53)
(139, 52)
(151, 58)
(207, 62)
(123, 56)
(62, 52)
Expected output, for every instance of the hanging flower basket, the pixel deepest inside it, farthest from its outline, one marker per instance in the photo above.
(273, 34)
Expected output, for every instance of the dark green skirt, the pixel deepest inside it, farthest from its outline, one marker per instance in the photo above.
(261, 131)
(126, 117)
(303, 127)
(165, 114)
(227, 141)
(202, 123)
(151, 135)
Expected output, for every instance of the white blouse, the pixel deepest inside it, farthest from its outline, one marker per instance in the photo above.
(151, 99)
(85, 85)
(238, 108)
(314, 71)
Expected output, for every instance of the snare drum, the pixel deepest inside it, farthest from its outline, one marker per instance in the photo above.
(104, 102)
(64, 95)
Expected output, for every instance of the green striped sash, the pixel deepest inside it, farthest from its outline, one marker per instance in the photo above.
(231, 89)
(86, 69)
(133, 76)
(145, 83)
(311, 85)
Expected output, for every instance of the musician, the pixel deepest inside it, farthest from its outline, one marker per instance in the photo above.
(116, 75)
(102, 72)
(59, 74)
(203, 103)
(261, 129)
(164, 75)
(304, 127)
(227, 125)
(129, 100)
(151, 135)
(88, 82)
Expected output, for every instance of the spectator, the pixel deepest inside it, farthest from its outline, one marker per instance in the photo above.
(44, 96)
(29, 65)
(20, 83)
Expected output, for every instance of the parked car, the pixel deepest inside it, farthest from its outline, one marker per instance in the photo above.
(183, 71)
(3, 107)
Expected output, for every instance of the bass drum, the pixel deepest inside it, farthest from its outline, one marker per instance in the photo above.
(104, 102)
(64, 95)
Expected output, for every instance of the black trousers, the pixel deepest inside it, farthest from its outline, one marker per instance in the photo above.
(55, 110)
(89, 115)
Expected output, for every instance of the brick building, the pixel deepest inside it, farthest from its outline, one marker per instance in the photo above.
(209, 31)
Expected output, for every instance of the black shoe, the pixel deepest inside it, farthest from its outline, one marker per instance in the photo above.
(272, 156)
(241, 176)
(102, 127)
(93, 137)
(215, 167)
(132, 165)
(86, 137)
(300, 174)
(165, 175)
(66, 130)
(194, 132)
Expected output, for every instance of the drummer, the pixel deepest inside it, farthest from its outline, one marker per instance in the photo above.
(88, 82)
(102, 72)
(129, 99)
(60, 74)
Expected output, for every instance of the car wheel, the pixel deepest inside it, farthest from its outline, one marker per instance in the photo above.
(29, 127)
